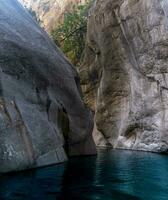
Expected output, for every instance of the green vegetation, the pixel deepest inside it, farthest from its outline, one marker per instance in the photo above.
(70, 35)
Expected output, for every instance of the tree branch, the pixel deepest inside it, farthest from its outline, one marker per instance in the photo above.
(71, 33)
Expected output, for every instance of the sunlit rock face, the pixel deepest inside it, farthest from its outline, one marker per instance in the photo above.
(125, 73)
(39, 97)
(50, 12)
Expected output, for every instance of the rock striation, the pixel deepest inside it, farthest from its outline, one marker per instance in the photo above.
(41, 110)
(125, 73)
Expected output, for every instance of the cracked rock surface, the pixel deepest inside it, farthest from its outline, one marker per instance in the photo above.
(39, 97)
(125, 73)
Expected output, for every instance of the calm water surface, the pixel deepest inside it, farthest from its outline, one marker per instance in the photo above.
(112, 175)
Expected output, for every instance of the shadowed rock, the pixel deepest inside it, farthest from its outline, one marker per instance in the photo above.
(37, 85)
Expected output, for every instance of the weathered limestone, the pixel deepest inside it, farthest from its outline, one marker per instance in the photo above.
(37, 87)
(125, 73)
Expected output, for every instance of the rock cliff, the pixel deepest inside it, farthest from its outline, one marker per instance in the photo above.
(41, 110)
(125, 73)
(50, 12)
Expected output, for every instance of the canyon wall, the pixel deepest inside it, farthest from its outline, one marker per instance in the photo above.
(125, 73)
(50, 12)
(41, 111)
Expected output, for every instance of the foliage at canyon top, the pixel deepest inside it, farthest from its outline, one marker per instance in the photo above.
(70, 35)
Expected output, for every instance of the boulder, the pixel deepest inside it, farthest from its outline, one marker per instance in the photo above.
(41, 110)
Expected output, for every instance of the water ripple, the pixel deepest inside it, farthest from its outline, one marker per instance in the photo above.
(112, 175)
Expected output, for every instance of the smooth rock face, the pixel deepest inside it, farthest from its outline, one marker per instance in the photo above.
(39, 95)
(125, 73)
(50, 12)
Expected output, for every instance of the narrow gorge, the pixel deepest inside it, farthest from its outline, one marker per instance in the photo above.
(83, 99)
(124, 71)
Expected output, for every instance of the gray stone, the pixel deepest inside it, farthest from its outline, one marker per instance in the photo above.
(37, 83)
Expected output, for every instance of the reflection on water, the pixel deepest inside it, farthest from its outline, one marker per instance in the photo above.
(112, 175)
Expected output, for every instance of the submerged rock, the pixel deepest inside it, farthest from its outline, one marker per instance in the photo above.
(39, 95)
(125, 73)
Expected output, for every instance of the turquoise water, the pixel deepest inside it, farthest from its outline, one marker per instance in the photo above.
(112, 175)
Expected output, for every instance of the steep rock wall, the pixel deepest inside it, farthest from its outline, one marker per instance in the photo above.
(39, 95)
(125, 73)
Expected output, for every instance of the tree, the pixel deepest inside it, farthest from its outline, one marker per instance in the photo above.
(70, 35)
